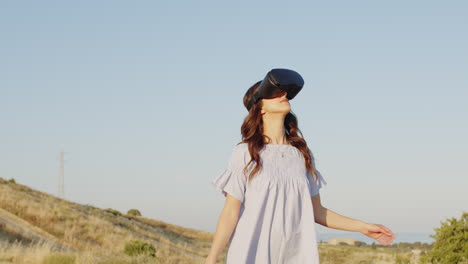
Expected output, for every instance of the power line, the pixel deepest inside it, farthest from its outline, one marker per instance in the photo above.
(61, 185)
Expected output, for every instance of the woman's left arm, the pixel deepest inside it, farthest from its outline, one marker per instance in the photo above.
(331, 219)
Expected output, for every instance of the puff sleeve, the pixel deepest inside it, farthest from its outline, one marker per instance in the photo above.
(232, 180)
(315, 186)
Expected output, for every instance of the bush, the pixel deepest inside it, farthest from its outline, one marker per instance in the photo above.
(399, 259)
(450, 244)
(360, 244)
(113, 211)
(12, 181)
(137, 248)
(58, 259)
(134, 212)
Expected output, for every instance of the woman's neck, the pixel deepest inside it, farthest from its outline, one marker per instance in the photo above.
(275, 130)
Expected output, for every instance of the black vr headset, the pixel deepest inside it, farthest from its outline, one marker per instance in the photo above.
(278, 79)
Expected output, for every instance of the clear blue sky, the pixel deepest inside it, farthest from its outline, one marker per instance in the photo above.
(145, 98)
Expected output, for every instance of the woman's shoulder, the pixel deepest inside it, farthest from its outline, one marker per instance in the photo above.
(240, 147)
(242, 144)
(240, 154)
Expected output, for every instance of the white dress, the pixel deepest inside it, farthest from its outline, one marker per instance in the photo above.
(276, 223)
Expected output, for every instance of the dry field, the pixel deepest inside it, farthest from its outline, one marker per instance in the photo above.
(39, 228)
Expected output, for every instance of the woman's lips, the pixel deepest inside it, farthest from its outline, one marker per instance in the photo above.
(284, 100)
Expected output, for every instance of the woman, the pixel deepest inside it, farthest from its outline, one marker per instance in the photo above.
(268, 217)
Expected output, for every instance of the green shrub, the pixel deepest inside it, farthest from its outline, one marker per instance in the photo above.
(58, 259)
(137, 248)
(360, 243)
(113, 211)
(402, 259)
(12, 181)
(451, 242)
(134, 212)
(23, 188)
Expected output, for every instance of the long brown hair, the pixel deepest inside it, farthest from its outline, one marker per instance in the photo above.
(252, 134)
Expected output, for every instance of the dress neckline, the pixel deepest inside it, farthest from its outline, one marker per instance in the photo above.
(274, 145)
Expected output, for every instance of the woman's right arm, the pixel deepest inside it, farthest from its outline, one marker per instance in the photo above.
(226, 224)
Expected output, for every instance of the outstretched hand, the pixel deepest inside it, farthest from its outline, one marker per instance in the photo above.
(378, 232)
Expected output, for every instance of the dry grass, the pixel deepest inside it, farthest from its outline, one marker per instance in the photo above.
(86, 228)
(34, 254)
(17, 253)
(89, 235)
(331, 254)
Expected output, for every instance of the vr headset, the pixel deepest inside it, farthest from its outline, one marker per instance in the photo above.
(276, 81)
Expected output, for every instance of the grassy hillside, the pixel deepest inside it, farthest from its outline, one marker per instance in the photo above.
(37, 227)
(31, 217)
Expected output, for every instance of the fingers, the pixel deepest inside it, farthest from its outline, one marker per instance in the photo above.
(384, 240)
(382, 234)
(389, 239)
(387, 236)
(387, 230)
